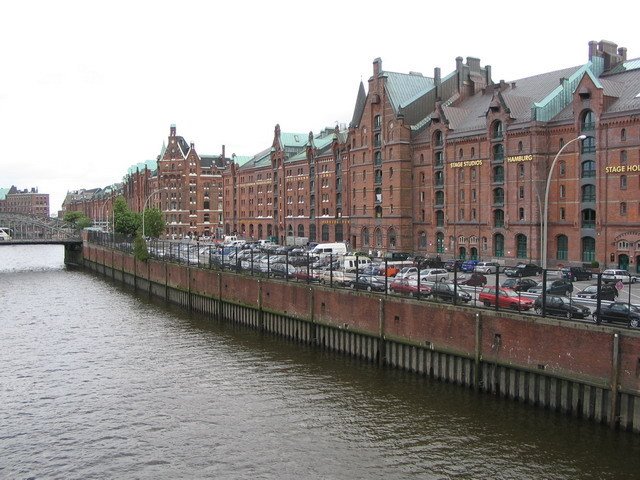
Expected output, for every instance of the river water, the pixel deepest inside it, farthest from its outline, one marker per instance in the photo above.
(96, 382)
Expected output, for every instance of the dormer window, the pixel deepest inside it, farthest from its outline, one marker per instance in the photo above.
(496, 130)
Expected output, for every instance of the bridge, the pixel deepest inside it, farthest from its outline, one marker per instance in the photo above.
(33, 230)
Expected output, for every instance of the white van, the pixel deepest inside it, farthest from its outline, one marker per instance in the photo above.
(324, 249)
(348, 262)
(5, 234)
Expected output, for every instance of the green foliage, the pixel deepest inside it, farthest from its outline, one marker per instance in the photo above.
(140, 250)
(595, 264)
(153, 223)
(126, 221)
(77, 219)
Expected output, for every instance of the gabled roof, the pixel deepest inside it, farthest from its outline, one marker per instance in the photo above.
(626, 87)
(404, 88)
(260, 159)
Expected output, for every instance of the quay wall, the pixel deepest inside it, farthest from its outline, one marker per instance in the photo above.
(581, 369)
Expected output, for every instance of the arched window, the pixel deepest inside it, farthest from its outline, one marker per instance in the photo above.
(496, 129)
(520, 213)
(325, 233)
(378, 211)
(391, 238)
(365, 237)
(440, 242)
(519, 147)
(378, 235)
(498, 152)
(339, 232)
(438, 159)
(421, 158)
(290, 231)
(498, 218)
(498, 196)
(301, 230)
(439, 179)
(498, 245)
(521, 170)
(623, 182)
(623, 134)
(588, 169)
(377, 158)
(439, 218)
(422, 240)
(588, 122)
(498, 174)
(562, 168)
(437, 138)
(588, 245)
(378, 195)
(588, 218)
(521, 246)
(562, 247)
(588, 193)
(588, 145)
(623, 157)
(460, 153)
(439, 197)
(473, 152)
(623, 208)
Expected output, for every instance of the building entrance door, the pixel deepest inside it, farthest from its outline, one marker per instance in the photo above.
(623, 261)
(462, 253)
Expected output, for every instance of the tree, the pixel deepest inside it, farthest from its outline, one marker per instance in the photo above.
(153, 222)
(140, 250)
(77, 219)
(126, 221)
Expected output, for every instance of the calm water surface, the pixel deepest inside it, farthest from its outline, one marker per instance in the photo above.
(96, 382)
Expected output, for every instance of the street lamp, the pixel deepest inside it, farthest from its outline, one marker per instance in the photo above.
(144, 207)
(102, 219)
(545, 213)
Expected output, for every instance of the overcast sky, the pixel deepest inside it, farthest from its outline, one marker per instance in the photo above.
(89, 88)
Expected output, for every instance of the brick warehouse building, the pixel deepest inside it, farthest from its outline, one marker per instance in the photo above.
(452, 165)
(25, 201)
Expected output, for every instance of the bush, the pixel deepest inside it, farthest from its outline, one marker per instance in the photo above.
(140, 248)
(595, 264)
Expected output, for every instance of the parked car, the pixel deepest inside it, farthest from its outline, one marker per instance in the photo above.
(607, 292)
(618, 312)
(475, 280)
(487, 267)
(576, 273)
(519, 284)
(367, 283)
(447, 292)
(406, 272)
(523, 270)
(468, 266)
(555, 287)
(409, 287)
(614, 276)
(433, 275)
(453, 265)
(560, 306)
(506, 298)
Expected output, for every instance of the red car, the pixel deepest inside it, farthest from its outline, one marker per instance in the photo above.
(506, 298)
(409, 287)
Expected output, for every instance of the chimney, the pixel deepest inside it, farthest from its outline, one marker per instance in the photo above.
(473, 63)
(593, 48)
(377, 66)
(458, 63)
(436, 76)
(487, 69)
(192, 145)
(622, 51)
(172, 130)
(223, 154)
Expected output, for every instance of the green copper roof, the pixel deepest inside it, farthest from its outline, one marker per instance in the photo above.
(403, 88)
(241, 159)
(3, 193)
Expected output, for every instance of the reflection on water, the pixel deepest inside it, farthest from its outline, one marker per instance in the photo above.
(99, 383)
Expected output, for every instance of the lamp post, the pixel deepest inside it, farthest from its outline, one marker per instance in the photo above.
(102, 219)
(144, 206)
(545, 213)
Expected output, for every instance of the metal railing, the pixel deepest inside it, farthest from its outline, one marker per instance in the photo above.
(606, 301)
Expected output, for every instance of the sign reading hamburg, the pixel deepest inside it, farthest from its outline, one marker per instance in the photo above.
(520, 158)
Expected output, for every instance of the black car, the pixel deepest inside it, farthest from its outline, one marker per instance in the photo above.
(447, 292)
(620, 313)
(523, 270)
(555, 287)
(576, 273)
(371, 284)
(561, 307)
(452, 265)
(607, 292)
(519, 284)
